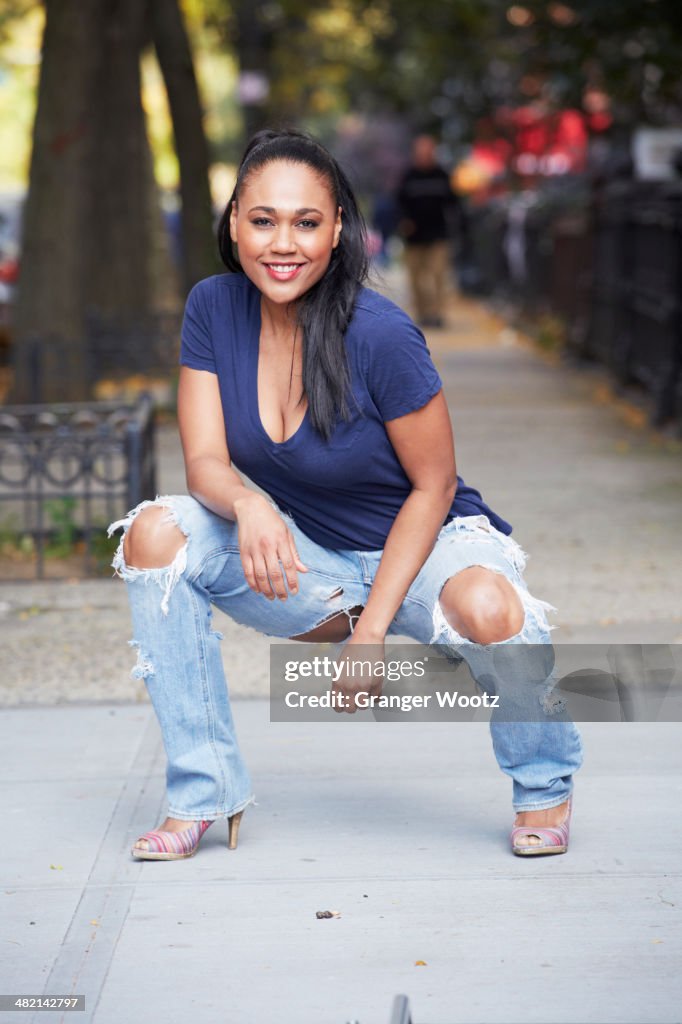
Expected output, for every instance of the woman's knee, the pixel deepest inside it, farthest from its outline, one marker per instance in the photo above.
(152, 541)
(482, 606)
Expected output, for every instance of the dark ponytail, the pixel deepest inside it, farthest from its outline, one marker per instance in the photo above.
(324, 311)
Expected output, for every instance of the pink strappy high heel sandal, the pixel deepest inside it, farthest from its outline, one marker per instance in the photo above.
(553, 838)
(178, 845)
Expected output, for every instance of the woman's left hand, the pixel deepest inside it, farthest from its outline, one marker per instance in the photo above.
(362, 653)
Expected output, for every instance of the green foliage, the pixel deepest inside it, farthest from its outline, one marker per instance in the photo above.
(450, 62)
(65, 539)
(630, 48)
(442, 64)
(11, 11)
(102, 548)
(550, 332)
(65, 543)
(13, 541)
(20, 34)
(60, 512)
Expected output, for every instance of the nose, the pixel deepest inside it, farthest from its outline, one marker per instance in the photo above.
(282, 240)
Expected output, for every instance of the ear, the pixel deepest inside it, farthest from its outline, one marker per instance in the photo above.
(338, 228)
(233, 221)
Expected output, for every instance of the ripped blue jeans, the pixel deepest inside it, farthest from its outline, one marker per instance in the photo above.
(180, 661)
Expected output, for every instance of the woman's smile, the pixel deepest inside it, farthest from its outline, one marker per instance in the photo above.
(283, 271)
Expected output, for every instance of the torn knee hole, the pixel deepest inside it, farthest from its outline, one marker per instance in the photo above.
(157, 551)
(485, 610)
(153, 540)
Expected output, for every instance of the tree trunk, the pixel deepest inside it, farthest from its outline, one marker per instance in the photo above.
(121, 216)
(48, 336)
(92, 214)
(199, 250)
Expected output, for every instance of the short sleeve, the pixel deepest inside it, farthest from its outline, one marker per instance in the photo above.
(196, 345)
(401, 375)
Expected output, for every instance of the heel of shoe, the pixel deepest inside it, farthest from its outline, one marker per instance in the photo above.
(233, 824)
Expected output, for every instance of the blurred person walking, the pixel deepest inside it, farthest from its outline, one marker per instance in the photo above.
(429, 210)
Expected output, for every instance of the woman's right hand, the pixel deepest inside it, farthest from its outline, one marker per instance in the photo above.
(267, 548)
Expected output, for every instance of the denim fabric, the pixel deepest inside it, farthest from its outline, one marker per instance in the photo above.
(180, 661)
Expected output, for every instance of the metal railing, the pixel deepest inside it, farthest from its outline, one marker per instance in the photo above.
(608, 264)
(68, 470)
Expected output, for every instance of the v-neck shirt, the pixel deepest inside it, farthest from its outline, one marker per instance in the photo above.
(345, 492)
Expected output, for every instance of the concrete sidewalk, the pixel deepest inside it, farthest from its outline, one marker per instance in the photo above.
(402, 828)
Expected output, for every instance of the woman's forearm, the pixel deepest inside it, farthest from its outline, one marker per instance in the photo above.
(218, 486)
(408, 545)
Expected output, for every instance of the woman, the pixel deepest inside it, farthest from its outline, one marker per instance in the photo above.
(324, 394)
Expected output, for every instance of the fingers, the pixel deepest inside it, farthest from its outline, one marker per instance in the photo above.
(249, 572)
(345, 699)
(290, 577)
(269, 577)
(293, 564)
(258, 579)
(346, 691)
(355, 680)
(300, 566)
(342, 705)
(273, 571)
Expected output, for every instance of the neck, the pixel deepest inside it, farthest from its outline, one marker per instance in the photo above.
(278, 319)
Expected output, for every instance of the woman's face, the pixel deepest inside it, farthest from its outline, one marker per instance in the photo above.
(285, 225)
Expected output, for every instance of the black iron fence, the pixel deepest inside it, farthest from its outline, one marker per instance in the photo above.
(66, 471)
(607, 263)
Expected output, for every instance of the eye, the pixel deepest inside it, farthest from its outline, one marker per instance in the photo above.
(307, 224)
(261, 222)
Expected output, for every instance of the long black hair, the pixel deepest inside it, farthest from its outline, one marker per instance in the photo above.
(325, 310)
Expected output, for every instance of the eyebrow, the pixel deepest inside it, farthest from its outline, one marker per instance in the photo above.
(297, 213)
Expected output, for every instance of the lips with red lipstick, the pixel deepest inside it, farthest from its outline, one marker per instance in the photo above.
(283, 271)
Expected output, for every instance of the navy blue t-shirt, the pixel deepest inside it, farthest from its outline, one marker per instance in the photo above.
(346, 492)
